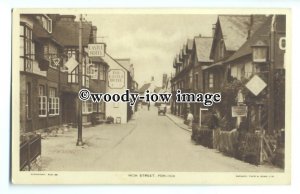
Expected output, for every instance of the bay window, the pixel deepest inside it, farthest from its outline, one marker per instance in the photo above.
(27, 48)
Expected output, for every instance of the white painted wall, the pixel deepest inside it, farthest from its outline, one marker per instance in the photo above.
(116, 109)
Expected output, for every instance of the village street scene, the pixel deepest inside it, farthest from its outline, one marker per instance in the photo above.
(242, 57)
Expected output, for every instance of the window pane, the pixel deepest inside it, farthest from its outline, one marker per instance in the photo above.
(21, 46)
(21, 30)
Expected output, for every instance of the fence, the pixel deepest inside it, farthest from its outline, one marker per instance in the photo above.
(30, 149)
(255, 148)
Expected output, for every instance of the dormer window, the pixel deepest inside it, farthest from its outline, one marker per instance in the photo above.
(46, 22)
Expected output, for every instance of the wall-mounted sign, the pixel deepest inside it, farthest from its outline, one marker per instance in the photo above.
(96, 50)
(239, 111)
(116, 78)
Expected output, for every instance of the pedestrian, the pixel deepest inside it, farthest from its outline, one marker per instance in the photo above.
(190, 119)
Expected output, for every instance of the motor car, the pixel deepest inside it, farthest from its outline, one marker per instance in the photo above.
(162, 109)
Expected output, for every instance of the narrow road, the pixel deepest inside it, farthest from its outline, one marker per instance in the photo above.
(157, 144)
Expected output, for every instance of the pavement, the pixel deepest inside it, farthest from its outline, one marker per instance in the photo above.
(148, 142)
(179, 121)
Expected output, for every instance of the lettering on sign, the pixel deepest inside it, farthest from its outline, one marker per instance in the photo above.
(116, 78)
(239, 111)
(96, 50)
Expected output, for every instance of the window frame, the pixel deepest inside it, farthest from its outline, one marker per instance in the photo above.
(28, 108)
(28, 54)
(87, 107)
(53, 105)
(210, 80)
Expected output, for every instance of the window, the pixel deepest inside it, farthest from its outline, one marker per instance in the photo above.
(260, 54)
(73, 76)
(87, 107)
(93, 71)
(42, 101)
(102, 71)
(211, 80)
(71, 53)
(50, 52)
(95, 107)
(85, 81)
(28, 101)
(46, 22)
(221, 49)
(101, 107)
(53, 102)
(27, 48)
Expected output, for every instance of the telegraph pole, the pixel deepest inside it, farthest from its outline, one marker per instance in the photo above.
(271, 74)
(79, 113)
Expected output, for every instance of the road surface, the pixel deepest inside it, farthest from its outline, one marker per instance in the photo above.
(147, 143)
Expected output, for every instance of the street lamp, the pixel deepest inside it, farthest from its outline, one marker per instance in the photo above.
(260, 55)
(260, 52)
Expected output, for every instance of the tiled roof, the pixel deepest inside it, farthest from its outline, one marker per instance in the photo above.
(261, 34)
(39, 31)
(144, 87)
(203, 46)
(67, 32)
(235, 30)
(125, 63)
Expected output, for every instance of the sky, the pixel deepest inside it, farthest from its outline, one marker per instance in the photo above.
(151, 41)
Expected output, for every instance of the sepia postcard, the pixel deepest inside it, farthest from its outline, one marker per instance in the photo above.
(151, 96)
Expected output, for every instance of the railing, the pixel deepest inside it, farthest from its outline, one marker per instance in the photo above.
(30, 149)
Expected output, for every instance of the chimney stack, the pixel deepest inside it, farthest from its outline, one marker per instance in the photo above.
(213, 30)
(94, 31)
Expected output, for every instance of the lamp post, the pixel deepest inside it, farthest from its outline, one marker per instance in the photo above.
(79, 111)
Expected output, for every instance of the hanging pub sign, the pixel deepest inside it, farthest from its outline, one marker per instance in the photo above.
(239, 111)
(96, 50)
(116, 78)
